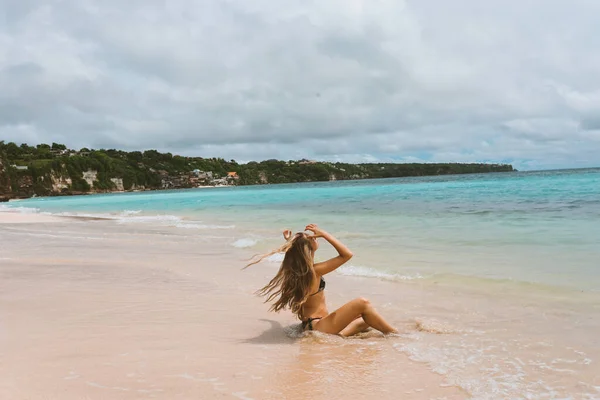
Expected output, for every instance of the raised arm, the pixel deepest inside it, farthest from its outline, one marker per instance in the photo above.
(344, 254)
(287, 234)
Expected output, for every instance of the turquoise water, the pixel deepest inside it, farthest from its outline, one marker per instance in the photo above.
(537, 227)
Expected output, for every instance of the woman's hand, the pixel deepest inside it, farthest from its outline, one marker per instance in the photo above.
(344, 254)
(287, 234)
(317, 232)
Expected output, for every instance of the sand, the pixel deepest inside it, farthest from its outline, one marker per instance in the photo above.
(21, 218)
(99, 310)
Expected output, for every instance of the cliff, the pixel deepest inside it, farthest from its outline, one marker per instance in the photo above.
(47, 170)
(5, 183)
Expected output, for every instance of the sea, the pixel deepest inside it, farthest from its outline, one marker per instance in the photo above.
(525, 241)
(540, 228)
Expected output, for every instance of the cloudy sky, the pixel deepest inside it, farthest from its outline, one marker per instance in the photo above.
(388, 80)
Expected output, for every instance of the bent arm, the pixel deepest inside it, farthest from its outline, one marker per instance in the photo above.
(287, 234)
(344, 254)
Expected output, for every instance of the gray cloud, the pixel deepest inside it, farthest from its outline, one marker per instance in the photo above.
(386, 80)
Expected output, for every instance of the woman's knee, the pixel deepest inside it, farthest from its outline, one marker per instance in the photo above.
(362, 302)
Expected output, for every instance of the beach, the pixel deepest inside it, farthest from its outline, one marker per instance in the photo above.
(139, 296)
(94, 311)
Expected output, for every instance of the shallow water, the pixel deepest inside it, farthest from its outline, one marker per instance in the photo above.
(535, 227)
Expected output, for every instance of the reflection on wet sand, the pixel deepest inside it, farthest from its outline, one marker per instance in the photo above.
(326, 366)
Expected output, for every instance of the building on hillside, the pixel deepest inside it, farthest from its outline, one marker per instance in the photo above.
(78, 153)
(233, 175)
(203, 175)
(219, 182)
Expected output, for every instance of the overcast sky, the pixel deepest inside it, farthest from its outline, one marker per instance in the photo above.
(373, 80)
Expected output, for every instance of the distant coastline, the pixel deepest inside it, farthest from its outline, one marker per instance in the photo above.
(54, 170)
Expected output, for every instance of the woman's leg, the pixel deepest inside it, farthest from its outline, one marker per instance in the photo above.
(357, 326)
(342, 317)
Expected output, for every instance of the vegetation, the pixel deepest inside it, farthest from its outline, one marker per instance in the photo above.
(34, 169)
(5, 183)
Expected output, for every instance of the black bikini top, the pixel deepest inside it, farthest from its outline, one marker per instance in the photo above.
(321, 286)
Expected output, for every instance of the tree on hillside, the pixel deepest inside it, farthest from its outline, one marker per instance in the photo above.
(12, 150)
(57, 146)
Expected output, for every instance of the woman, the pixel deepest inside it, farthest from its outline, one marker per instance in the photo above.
(299, 286)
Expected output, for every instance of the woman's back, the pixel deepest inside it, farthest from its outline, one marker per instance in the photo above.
(315, 305)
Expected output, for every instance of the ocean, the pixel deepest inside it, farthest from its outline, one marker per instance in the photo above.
(493, 279)
(522, 227)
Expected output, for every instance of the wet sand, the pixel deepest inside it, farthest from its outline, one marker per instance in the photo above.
(91, 309)
(21, 218)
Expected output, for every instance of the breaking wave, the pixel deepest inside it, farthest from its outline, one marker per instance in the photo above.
(367, 272)
(244, 243)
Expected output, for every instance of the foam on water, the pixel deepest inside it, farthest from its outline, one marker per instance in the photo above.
(437, 327)
(24, 210)
(195, 225)
(130, 212)
(367, 272)
(491, 369)
(168, 219)
(244, 243)
(294, 331)
(124, 217)
(35, 210)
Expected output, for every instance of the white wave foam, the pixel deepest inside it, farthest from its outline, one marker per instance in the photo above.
(367, 272)
(167, 220)
(437, 327)
(127, 213)
(244, 243)
(22, 210)
(124, 217)
(488, 368)
(189, 225)
(150, 219)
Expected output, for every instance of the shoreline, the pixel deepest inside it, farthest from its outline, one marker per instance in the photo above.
(92, 193)
(453, 281)
(16, 217)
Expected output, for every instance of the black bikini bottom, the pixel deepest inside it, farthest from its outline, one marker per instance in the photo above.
(308, 323)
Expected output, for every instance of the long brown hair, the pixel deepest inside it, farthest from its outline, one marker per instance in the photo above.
(291, 285)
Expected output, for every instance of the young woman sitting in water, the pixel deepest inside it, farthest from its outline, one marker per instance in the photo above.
(299, 286)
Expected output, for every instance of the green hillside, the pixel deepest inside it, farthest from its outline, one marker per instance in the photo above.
(53, 169)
